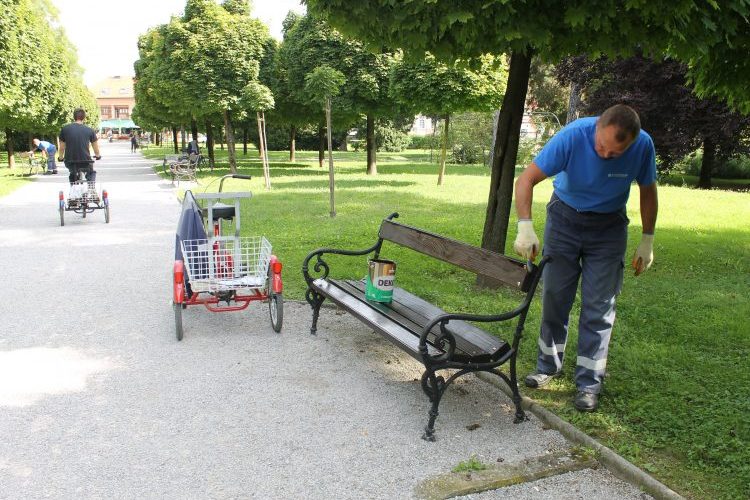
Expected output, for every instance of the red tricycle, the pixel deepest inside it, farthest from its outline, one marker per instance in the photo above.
(223, 267)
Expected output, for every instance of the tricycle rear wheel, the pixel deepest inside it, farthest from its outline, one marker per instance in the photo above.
(276, 310)
(178, 320)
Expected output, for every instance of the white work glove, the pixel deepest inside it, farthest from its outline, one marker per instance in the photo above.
(526, 244)
(644, 254)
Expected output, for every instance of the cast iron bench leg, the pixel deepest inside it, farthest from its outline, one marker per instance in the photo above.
(434, 387)
(315, 300)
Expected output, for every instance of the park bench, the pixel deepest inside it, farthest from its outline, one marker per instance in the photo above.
(439, 340)
(31, 161)
(182, 167)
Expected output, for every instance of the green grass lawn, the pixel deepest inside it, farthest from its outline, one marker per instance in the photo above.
(11, 178)
(676, 401)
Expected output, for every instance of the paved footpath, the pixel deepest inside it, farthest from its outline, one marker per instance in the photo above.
(99, 400)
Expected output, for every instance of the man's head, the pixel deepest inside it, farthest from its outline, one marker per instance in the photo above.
(35, 141)
(616, 129)
(79, 115)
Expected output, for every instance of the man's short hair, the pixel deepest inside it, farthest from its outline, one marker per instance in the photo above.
(79, 114)
(625, 119)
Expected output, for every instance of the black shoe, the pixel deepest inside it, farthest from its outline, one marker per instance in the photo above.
(537, 379)
(586, 401)
(54, 171)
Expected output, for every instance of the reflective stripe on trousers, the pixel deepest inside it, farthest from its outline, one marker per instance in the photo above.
(590, 246)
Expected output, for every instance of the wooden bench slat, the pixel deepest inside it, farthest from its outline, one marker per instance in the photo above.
(378, 322)
(471, 258)
(472, 344)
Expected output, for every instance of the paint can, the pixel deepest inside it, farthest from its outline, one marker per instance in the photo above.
(380, 278)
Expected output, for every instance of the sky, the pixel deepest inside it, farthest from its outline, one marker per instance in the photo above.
(106, 33)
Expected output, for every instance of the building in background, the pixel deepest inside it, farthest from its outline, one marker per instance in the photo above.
(116, 99)
(422, 126)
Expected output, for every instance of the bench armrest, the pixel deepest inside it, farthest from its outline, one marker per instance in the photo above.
(321, 266)
(448, 342)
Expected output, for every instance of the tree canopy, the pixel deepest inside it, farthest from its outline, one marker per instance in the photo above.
(552, 29)
(40, 80)
(675, 117)
(310, 42)
(199, 66)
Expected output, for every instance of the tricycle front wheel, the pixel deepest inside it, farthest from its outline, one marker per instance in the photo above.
(276, 309)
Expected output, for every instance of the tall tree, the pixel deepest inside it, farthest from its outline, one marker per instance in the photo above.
(431, 87)
(321, 85)
(289, 109)
(552, 29)
(40, 81)
(214, 52)
(310, 42)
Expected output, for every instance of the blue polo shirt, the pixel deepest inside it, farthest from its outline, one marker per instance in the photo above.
(588, 182)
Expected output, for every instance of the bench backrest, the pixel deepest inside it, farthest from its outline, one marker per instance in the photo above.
(477, 260)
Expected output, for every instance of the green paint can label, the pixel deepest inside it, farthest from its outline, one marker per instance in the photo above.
(379, 282)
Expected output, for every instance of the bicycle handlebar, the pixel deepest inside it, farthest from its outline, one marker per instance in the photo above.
(233, 176)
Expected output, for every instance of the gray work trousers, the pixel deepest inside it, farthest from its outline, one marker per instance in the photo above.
(590, 246)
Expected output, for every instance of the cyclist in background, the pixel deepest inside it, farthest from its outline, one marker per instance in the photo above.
(75, 139)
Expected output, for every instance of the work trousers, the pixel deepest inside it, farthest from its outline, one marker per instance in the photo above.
(590, 246)
(51, 165)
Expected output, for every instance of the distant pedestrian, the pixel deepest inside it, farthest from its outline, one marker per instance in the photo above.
(193, 148)
(49, 150)
(133, 142)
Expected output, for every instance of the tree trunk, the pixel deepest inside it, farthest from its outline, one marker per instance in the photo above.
(444, 150)
(9, 147)
(229, 131)
(574, 102)
(221, 143)
(503, 157)
(321, 145)
(174, 139)
(194, 129)
(244, 141)
(183, 138)
(292, 142)
(372, 166)
(330, 157)
(707, 165)
(210, 144)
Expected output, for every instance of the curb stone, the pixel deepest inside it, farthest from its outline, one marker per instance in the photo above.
(611, 460)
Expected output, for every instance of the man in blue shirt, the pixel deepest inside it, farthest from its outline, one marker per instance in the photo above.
(594, 161)
(48, 149)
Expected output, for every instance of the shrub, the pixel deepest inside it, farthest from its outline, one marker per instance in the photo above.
(390, 139)
(734, 168)
(423, 142)
(467, 154)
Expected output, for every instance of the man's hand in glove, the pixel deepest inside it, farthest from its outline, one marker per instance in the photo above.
(526, 244)
(644, 254)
